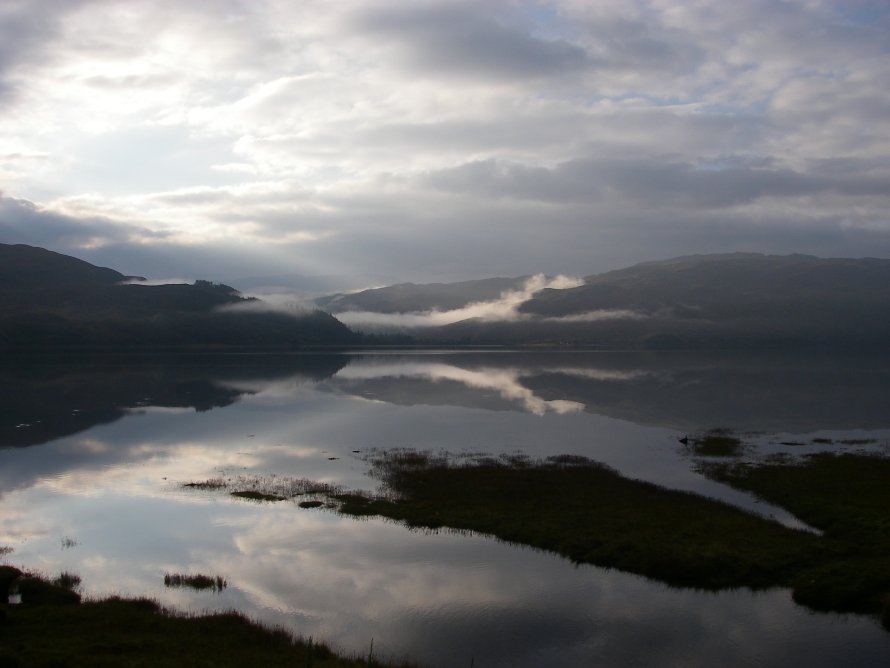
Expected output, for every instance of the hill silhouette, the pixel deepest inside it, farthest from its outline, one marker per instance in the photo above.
(406, 297)
(723, 300)
(51, 299)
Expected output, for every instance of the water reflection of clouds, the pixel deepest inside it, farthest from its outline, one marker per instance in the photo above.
(505, 381)
(421, 594)
(417, 594)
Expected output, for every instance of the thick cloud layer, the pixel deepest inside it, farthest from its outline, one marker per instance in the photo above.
(441, 139)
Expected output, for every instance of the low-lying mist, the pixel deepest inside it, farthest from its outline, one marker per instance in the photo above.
(504, 308)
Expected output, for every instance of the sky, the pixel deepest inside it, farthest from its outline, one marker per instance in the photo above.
(435, 140)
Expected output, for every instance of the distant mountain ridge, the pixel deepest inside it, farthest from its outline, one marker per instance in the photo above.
(720, 300)
(408, 297)
(708, 281)
(49, 299)
(735, 300)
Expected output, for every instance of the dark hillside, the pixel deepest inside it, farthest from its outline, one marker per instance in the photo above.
(408, 297)
(48, 299)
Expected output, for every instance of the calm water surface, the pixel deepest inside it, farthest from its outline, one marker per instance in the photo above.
(94, 452)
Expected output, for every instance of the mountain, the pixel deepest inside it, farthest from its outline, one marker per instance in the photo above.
(31, 268)
(723, 285)
(710, 301)
(408, 297)
(51, 299)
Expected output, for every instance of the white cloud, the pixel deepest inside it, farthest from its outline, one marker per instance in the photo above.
(505, 307)
(421, 139)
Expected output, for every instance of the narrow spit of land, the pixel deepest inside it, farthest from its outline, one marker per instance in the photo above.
(53, 627)
(590, 514)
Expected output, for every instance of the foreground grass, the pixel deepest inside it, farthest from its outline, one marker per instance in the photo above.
(52, 627)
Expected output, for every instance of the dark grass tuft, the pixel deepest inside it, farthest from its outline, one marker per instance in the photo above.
(717, 442)
(68, 580)
(257, 496)
(200, 582)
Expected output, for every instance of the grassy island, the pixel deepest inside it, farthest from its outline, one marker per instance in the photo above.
(589, 513)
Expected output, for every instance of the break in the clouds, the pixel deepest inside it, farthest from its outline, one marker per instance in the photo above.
(441, 139)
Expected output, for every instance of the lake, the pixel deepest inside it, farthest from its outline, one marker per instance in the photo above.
(95, 451)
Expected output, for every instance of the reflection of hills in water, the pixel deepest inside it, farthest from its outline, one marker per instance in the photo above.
(683, 391)
(49, 397)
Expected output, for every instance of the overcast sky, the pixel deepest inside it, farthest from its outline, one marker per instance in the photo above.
(441, 140)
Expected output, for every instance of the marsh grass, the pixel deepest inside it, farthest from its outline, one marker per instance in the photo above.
(847, 497)
(716, 442)
(269, 487)
(6, 549)
(588, 513)
(59, 630)
(197, 581)
(257, 496)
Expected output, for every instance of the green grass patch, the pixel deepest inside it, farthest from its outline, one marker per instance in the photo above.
(138, 633)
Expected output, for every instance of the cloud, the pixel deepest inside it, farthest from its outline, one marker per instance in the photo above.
(506, 382)
(441, 139)
(25, 222)
(468, 41)
(505, 307)
(651, 181)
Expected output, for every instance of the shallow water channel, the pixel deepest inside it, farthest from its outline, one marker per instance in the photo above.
(94, 452)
